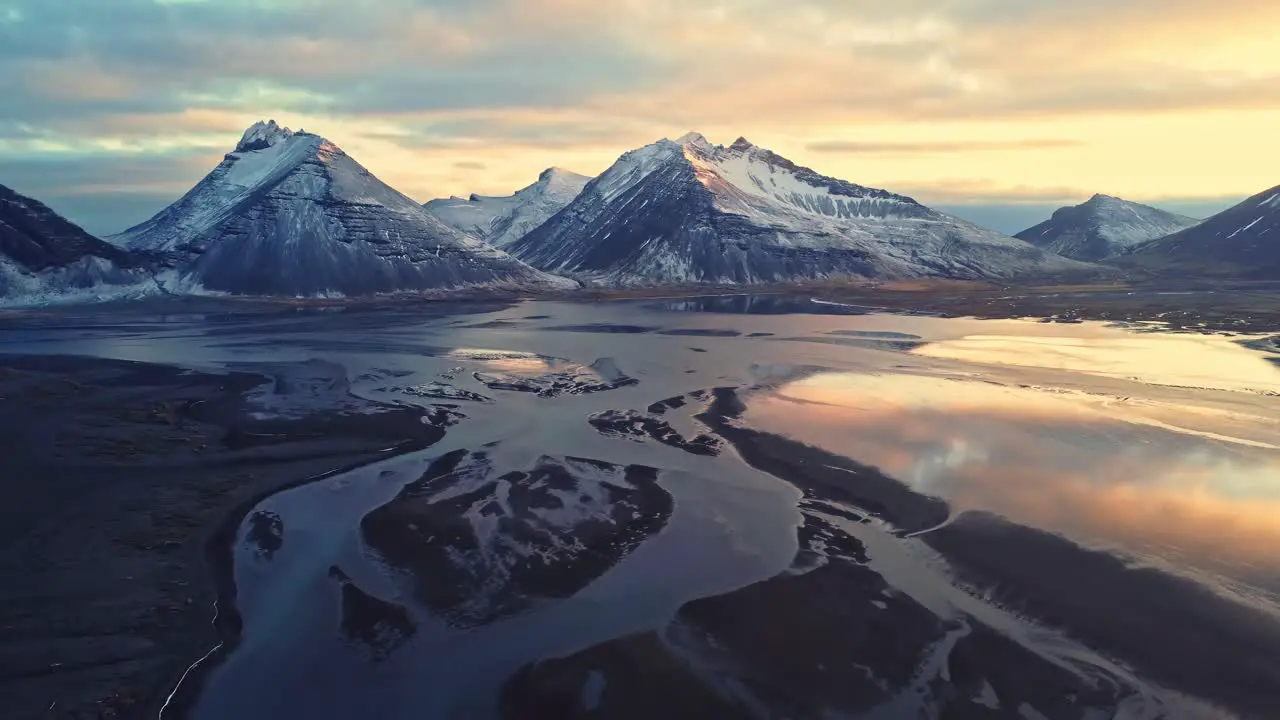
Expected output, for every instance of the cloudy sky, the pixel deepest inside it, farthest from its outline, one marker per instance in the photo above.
(998, 110)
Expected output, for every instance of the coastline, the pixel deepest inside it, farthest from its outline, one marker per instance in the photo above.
(216, 436)
(220, 566)
(126, 484)
(1227, 307)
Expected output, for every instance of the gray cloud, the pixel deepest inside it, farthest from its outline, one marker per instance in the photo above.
(106, 194)
(470, 165)
(134, 56)
(533, 132)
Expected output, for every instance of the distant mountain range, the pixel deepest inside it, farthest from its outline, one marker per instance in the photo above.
(687, 211)
(1103, 227)
(290, 214)
(501, 221)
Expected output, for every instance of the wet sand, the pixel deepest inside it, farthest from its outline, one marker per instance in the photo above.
(123, 483)
(600, 528)
(830, 636)
(1171, 629)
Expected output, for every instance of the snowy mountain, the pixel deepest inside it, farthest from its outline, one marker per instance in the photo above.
(46, 258)
(685, 210)
(1241, 241)
(291, 214)
(1102, 227)
(501, 221)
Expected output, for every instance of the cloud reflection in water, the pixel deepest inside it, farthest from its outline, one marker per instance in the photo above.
(1148, 479)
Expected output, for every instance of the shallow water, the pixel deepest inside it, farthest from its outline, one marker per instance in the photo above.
(1163, 449)
(1161, 482)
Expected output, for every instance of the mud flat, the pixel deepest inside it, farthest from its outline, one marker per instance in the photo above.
(121, 482)
(788, 522)
(1169, 628)
(828, 637)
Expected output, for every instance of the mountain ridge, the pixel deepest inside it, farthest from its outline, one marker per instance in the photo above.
(501, 220)
(290, 213)
(687, 211)
(1242, 242)
(45, 257)
(1102, 227)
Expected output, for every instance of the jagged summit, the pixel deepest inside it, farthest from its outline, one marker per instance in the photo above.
(262, 135)
(680, 211)
(1102, 227)
(502, 220)
(692, 138)
(292, 214)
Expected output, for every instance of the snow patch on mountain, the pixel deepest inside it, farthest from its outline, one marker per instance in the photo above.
(262, 135)
(693, 138)
(1103, 227)
(680, 211)
(1240, 242)
(87, 280)
(44, 258)
(502, 220)
(292, 214)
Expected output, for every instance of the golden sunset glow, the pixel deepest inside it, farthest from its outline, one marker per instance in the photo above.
(954, 102)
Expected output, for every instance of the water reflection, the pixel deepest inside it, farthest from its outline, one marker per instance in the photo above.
(760, 305)
(1152, 480)
(508, 361)
(1198, 361)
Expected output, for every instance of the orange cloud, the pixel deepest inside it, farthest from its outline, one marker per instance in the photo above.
(958, 100)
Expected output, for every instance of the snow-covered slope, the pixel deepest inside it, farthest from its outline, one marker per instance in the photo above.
(501, 221)
(46, 258)
(1241, 241)
(1102, 227)
(685, 210)
(291, 214)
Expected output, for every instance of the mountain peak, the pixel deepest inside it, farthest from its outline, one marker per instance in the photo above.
(279, 217)
(684, 210)
(554, 172)
(1102, 227)
(1099, 198)
(558, 181)
(501, 220)
(261, 135)
(692, 138)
